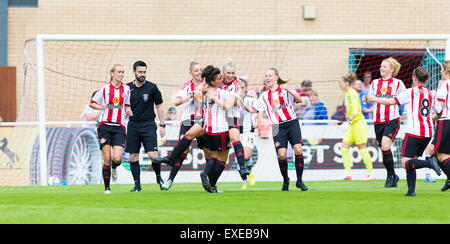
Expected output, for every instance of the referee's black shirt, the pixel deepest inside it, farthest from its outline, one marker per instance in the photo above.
(142, 101)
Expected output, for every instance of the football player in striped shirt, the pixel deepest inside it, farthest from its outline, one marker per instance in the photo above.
(247, 131)
(418, 102)
(387, 117)
(441, 138)
(429, 151)
(190, 96)
(211, 128)
(216, 126)
(278, 103)
(196, 131)
(113, 99)
(214, 129)
(232, 85)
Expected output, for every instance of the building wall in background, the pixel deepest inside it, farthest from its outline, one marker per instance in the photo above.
(229, 17)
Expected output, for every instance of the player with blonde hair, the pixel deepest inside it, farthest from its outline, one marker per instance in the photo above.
(387, 117)
(190, 96)
(113, 99)
(419, 105)
(232, 85)
(278, 103)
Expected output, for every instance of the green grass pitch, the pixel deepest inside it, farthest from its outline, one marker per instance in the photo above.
(264, 203)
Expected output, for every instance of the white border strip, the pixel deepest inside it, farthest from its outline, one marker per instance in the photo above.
(86, 37)
(41, 107)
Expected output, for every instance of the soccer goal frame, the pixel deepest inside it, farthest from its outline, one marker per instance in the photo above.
(41, 38)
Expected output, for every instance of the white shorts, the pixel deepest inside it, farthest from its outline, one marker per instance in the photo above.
(248, 139)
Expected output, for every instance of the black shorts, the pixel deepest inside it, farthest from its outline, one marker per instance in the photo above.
(217, 142)
(288, 131)
(414, 145)
(233, 123)
(113, 135)
(388, 129)
(185, 126)
(441, 138)
(141, 133)
(201, 141)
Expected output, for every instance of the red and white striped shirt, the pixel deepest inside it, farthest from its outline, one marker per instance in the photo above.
(443, 95)
(116, 99)
(418, 103)
(386, 89)
(191, 108)
(215, 117)
(279, 105)
(234, 88)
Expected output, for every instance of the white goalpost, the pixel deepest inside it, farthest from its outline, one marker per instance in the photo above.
(83, 62)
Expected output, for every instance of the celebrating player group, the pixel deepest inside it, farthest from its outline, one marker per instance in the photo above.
(220, 114)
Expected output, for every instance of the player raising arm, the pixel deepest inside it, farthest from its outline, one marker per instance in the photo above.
(418, 102)
(190, 97)
(113, 99)
(278, 103)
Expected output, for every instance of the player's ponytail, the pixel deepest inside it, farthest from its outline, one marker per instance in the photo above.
(446, 66)
(350, 78)
(279, 81)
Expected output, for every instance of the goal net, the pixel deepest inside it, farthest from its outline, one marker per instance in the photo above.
(54, 144)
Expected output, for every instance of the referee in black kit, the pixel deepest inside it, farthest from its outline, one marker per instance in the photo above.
(141, 126)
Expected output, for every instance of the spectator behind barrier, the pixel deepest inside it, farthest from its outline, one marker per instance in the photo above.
(303, 91)
(89, 114)
(339, 114)
(367, 108)
(317, 110)
(172, 114)
(367, 80)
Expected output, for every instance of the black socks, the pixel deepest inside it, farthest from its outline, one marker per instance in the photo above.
(388, 161)
(239, 152)
(282, 163)
(299, 166)
(176, 166)
(181, 146)
(219, 166)
(106, 172)
(136, 172)
(411, 180)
